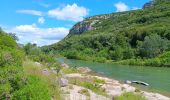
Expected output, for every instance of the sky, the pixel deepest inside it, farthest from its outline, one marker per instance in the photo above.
(48, 21)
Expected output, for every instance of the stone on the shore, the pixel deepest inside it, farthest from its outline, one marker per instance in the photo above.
(84, 69)
(74, 94)
(115, 88)
(63, 82)
(128, 82)
(128, 88)
(154, 96)
(38, 64)
(53, 70)
(45, 71)
(65, 65)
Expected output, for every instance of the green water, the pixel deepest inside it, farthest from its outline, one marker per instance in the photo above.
(157, 77)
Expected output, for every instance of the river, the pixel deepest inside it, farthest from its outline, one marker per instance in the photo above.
(157, 77)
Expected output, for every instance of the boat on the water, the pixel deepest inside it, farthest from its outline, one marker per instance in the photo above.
(140, 82)
(137, 82)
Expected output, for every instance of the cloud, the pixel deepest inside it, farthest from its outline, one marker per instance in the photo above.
(31, 12)
(135, 8)
(69, 12)
(41, 20)
(41, 36)
(120, 7)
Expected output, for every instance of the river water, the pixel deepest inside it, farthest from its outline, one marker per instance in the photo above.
(157, 77)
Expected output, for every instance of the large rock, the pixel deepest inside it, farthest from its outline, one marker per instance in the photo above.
(65, 65)
(45, 71)
(63, 82)
(154, 96)
(148, 5)
(53, 70)
(84, 69)
(128, 82)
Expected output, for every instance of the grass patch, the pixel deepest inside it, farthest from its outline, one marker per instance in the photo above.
(95, 87)
(98, 81)
(32, 69)
(129, 96)
(36, 89)
(84, 92)
(70, 87)
(69, 70)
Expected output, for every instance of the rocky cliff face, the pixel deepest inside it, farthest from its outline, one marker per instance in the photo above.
(148, 5)
(153, 3)
(87, 24)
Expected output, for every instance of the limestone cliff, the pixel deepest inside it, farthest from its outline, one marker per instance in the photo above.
(87, 24)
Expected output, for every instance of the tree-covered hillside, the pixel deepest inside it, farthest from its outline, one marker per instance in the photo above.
(139, 37)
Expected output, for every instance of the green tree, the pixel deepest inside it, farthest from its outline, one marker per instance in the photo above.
(13, 35)
(117, 53)
(153, 45)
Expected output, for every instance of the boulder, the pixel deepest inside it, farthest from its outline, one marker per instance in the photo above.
(63, 82)
(128, 82)
(45, 71)
(84, 69)
(65, 65)
(154, 96)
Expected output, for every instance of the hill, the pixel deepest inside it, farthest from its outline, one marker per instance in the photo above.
(139, 37)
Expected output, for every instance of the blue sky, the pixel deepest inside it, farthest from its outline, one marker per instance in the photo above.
(48, 21)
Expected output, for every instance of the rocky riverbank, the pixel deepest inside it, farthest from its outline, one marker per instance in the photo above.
(80, 87)
(78, 84)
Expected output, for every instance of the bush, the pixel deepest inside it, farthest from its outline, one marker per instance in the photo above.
(12, 77)
(33, 52)
(9, 56)
(153, 45)
(8, 41)
(36, 89)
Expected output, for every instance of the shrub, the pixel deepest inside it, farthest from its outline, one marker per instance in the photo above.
(36, 89)
(153, 45)
(6, 40)
(12, 77)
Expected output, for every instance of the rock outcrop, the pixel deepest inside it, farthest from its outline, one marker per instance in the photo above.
(63, 82)
(84, 70)
(65, 65)
(87, 24)
(112, 88)
(148, 5)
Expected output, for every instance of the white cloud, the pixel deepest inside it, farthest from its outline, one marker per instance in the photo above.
(41, 20)
(120, 7)
(31, 12)
(26, 28)
(135, 8)
(70, 12)
(41, 36)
